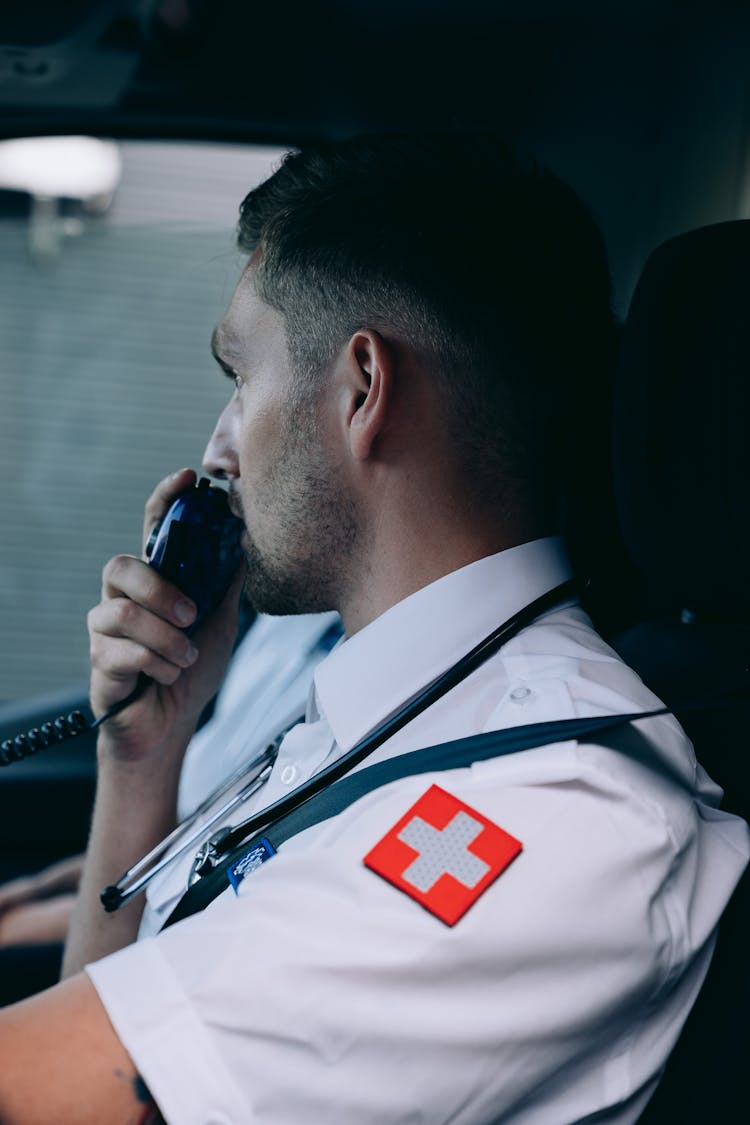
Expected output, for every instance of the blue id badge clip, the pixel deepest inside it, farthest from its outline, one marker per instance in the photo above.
(250, 861)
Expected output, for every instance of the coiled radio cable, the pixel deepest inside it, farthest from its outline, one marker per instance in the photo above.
(63, 728)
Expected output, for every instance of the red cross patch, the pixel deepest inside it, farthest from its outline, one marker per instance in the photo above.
(443, 853)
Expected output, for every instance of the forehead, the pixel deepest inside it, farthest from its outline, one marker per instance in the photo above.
(249, 326)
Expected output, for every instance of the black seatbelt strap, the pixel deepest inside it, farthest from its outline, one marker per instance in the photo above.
(435, 690)
(445, 756)
(225, 843)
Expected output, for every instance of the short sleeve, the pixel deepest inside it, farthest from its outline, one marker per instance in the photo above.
(324, 994)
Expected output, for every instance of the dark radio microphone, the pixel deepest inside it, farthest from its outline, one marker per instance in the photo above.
(197, 547)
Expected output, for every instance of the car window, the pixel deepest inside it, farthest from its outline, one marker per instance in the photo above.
(107, 302)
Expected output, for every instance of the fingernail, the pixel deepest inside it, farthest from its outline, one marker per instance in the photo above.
(184, 611)
(191, 655)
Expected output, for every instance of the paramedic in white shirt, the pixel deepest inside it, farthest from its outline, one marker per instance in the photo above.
(413, 343)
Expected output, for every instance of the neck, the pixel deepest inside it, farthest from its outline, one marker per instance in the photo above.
(405, 554)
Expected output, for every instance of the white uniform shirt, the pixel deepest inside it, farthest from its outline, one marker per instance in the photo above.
(323, 994)
(265, 689)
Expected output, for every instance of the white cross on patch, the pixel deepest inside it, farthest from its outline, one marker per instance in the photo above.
(440, 829)
(443, 852)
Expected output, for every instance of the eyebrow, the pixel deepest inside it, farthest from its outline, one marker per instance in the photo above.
(225, 367)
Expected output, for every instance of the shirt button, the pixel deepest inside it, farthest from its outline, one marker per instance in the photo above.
(289, 775)
(519, 694)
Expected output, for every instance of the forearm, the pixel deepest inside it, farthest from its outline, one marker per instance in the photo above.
(138, 629)
(135, 808)
(64, 1063)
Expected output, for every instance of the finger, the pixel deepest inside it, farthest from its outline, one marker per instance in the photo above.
(64, 874)
(17, 891)
(117, 664)
(160, 500)
(123, 619)
(38, 923)
(126, 576)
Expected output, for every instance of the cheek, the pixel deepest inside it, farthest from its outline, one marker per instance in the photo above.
(258, 435)
(259, 446)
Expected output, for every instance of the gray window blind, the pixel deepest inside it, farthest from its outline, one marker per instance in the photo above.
(106, 385)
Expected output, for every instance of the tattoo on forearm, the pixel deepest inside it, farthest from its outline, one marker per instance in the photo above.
(148, 1112)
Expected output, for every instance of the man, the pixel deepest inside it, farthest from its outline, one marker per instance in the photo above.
(412, 345)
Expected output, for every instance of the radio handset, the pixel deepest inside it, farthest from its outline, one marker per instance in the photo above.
(197, 547)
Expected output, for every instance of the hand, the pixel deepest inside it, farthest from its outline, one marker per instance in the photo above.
(64, 875)
(35, 908)
(37, 923)
(138, 627)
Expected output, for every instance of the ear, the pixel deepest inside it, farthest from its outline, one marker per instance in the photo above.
(369, 390)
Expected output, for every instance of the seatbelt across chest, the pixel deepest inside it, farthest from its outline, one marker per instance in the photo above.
(114, 896)
(338, 796)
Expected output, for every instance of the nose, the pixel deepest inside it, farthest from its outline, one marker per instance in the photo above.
(220, 457)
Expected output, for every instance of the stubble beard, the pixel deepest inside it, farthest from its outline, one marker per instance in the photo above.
(303, 566)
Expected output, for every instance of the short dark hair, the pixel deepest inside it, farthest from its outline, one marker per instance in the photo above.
(492, 269)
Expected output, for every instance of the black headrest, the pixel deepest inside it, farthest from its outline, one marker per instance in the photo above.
(682, 423)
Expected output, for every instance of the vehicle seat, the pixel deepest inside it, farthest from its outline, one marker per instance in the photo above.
(681, 460)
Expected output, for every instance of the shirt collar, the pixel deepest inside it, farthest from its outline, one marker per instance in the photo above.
(370, 675)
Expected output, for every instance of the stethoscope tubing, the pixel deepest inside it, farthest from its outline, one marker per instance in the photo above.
(116, 895)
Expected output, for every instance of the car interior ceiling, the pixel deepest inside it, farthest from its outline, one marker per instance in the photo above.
(644, 108)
